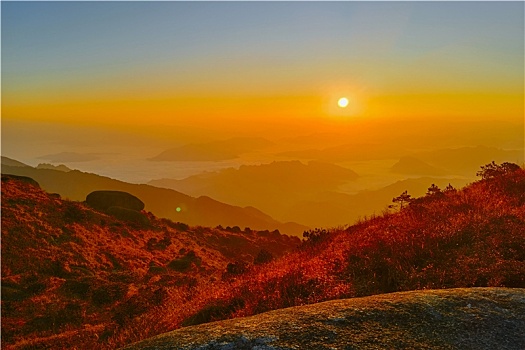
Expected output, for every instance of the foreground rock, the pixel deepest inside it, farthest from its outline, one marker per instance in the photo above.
(470, 318)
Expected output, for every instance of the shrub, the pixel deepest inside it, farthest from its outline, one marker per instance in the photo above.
(219, 310)
(315, 235)
(73, 213)
(128, 215)
(184, 263)
(77, 288)
(13, 294)
(108, 293)
(237, 268)
(263, 257)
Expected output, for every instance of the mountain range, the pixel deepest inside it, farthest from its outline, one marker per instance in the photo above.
(205, 211)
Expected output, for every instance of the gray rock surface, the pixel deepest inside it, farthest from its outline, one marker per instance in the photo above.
(466, 318)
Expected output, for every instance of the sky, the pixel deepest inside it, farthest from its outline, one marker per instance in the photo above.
(220, 65)
(123, 81)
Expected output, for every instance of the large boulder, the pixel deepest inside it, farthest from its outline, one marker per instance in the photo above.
(469, 318)
(28, 180)
(103, 200)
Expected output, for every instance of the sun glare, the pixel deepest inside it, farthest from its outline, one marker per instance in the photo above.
(343, 102)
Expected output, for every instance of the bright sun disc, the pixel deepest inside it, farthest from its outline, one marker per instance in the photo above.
(343, 102)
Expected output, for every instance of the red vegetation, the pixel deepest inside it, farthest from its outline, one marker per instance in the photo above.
(105, 284)
(72, 277)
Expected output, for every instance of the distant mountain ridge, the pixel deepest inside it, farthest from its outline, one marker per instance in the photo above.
(11, 162)
(76, 185)
(60, 167)
(291, 197)
(272, 187)
(412, 166)
(213, 151)
(66, 157)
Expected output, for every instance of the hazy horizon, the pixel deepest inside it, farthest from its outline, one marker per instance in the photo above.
(105, 87)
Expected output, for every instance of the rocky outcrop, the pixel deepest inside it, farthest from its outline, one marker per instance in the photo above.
(469, 318)
(25, 179)
(103, 200)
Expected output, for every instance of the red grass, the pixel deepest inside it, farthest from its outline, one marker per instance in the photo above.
(470, 237)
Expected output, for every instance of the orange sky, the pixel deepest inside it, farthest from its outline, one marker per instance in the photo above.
(182, 64)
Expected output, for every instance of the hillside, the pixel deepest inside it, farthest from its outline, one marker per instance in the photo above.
(127, 283)
(476, 318)
(471, 237)
(204, 211)
(70, 271)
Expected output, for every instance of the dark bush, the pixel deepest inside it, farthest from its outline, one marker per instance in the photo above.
(13, 294)
(263, 257)
(55, 318)
(128, 215)
(184, 263)
(214, 312)
(35, 288)
(237, 268)
(129, 309)
(315, 235)
(234, 229)
(73, 213)
(77, 288)
(108, 294)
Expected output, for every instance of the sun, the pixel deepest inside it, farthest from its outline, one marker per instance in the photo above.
(342, 102)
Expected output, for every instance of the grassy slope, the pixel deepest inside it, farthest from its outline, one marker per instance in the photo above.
(69, 271)
(466, 238)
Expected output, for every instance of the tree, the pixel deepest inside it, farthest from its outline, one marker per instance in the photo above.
(433, 190)
(403, 199)
(492, 170)
(449, 188)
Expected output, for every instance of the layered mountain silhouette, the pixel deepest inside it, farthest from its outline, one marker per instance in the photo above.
(466, 160)
(414, 166)
(67, 157)
(60, 167)
(297, 192)
(273, 187)
(348, 152)
(11, 162)
(451, 161)
(76, 185)
(213, 151)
